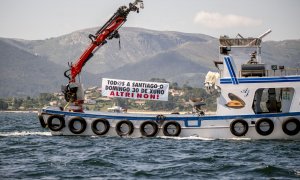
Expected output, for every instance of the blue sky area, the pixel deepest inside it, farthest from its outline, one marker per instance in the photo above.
(41, 19)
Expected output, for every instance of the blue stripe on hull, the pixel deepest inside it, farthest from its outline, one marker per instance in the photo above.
(231, 70)
(262, 80)
(139, 117)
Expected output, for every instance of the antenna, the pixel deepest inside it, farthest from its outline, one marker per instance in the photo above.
(260, 37)
(265, 34)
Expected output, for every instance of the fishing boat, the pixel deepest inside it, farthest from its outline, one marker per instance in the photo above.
(255, 101)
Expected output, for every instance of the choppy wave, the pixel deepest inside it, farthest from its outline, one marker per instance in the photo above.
(24, 133)
(191, 138)
(205, 139)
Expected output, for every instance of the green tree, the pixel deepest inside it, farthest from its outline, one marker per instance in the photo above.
(174, 85)
(3, 105)
(45, 98)
(121, 102)
(16, 103)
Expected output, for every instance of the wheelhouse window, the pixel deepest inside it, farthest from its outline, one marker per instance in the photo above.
(272, 100)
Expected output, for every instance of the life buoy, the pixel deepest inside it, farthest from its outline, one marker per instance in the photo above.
(74, 129)
(145, 126)
(291, 126)
(264, 126)
(172, 128)
(104, 127)
(56, 122)
(42, 122)
(124, 128)
(160, 119)
(239, 127)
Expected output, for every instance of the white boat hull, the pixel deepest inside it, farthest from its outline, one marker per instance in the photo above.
(214, 127)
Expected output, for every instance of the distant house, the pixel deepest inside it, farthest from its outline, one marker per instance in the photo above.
(59, 95)
(21, 108)
(90, 101)
(103, 99)
(53, 103)
(99, 90)
(94, 88)
(176, 92)
(88, 92)
(140, 102)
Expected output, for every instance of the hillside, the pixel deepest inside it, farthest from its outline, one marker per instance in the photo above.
(282, 53)
(26, 74)
(136, 45)
(31, 67)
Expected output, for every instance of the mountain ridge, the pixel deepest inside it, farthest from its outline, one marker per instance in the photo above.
(178, 57)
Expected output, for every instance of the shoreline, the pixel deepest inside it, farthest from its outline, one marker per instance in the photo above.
(129, 112)
(25, 111)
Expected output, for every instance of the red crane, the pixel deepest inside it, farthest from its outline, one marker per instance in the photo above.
(73, 91)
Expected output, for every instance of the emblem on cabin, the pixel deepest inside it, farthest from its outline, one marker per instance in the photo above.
(246, 92)
(235, 102)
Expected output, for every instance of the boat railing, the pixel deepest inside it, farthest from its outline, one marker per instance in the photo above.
(267, 73)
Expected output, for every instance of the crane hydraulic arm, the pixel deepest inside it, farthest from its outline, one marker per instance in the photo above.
(108, 31)
(73, 91)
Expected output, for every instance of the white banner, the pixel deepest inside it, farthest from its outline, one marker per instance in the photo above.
(135, 89)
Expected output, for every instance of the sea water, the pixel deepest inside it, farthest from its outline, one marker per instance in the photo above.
(27, 151)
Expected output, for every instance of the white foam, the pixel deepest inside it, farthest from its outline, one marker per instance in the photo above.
(190, 137)
(24, 133)
(237, 139)
(205, 139)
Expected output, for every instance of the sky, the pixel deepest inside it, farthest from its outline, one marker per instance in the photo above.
(42, 19)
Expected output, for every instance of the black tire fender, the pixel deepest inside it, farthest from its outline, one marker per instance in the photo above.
(42, 121)
(54, 127)
(119, 126)
(260, 131)
(291, 132)
(105, 124)
(81, 121)
(177, 128)
(233, 126)
(143, 130)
